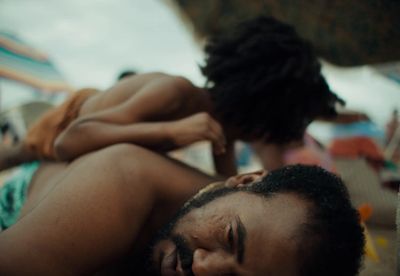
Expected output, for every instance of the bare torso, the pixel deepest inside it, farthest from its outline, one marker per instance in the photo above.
(101, 207)
(129, 87)
(157, 111)
(44, 179)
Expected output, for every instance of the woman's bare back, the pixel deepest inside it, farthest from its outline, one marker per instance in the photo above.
(129, 87)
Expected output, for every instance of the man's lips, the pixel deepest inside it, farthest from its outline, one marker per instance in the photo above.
(169, 263)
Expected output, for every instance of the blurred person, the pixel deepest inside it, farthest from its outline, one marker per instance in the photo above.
(263, 83)
(102, 212)
(392, 125)
(392, 150)
(125, 74)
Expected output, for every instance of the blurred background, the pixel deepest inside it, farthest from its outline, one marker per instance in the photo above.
(49, 48)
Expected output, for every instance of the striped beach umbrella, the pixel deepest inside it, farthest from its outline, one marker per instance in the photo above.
(22, 63)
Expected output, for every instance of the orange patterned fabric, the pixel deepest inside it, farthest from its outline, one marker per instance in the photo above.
(42, 134)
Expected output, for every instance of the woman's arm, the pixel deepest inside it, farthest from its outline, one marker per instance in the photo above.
(159, 98)
(225, 163)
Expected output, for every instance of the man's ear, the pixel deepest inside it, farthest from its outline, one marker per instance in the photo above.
(241, 180)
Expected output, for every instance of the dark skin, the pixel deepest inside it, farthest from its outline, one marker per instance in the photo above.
(229, 236)
(89, 214)
(182, 114)
(157, 111)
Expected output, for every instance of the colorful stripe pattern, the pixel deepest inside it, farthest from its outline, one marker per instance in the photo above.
(22, 63)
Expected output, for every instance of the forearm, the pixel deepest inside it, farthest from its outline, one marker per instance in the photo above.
(89, 136)
(225, 164)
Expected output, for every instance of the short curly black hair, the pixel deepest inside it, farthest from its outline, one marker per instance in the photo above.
(331, 242)
(266, 82)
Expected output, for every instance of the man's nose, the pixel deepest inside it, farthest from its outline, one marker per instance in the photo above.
(211, 263)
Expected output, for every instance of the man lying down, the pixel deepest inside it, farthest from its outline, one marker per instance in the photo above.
(100, 214)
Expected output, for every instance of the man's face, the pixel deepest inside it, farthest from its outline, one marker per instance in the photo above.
(236, 234)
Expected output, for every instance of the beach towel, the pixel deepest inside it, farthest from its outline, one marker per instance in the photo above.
(13, 194)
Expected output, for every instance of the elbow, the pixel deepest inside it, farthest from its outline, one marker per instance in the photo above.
(74, 141)
(65, 144)
(61, 151)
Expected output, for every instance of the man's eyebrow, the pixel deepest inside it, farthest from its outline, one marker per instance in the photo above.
(241, 234)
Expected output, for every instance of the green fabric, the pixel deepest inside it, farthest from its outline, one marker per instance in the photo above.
(13, 194)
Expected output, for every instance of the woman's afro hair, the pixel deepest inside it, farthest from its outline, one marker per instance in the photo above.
(266, 82)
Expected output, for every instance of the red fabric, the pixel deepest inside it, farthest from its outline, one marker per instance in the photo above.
(354, 147)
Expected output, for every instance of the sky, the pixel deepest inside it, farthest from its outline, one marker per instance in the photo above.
(92, 41)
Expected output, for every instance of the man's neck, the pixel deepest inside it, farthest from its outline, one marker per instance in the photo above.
(168, 200)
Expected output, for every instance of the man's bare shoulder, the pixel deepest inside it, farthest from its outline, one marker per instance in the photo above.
(163, 176)
(93, 202)
(110, 162)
